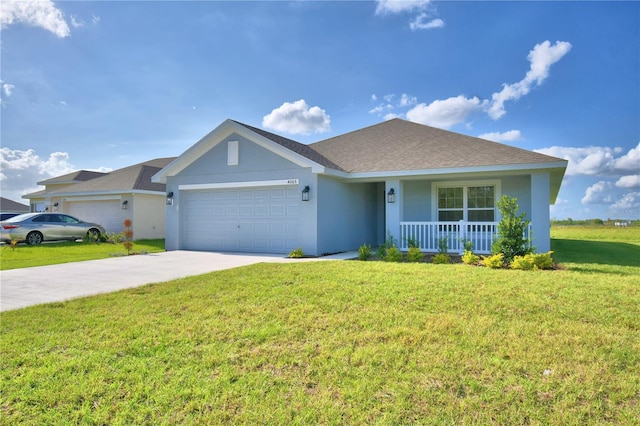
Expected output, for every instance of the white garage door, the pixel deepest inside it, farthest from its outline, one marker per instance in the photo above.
(106, 213)
(263, 219)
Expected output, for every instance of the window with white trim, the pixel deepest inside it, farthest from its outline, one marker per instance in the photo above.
(470, 203)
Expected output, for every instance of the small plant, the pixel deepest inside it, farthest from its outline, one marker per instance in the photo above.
(443, 245)
(13, 244)
(364, 252)
(92, 238)
(441, 259)
(469, 258)
(543, 260)
(413, 242)
(388, 244)
(494, 262)
(468, 245)
(114, 238)
(393, 254)
(511, 241)
(523, 262)
(296, 253)
(127, 236)
(414, 254)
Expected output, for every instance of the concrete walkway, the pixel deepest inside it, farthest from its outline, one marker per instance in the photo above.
(44, 284)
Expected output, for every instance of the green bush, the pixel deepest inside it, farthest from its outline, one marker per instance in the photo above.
(441, 258)
(364, 252)
(511, 241)
(543, 260)
(412, 242)
(469, 258)
(494, 262)
(523, 262)
(443, 245)
(390, 242)
(296, 253)
(393, 255)
(414, 254)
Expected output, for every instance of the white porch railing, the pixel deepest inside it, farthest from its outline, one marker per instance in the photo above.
(428, 236)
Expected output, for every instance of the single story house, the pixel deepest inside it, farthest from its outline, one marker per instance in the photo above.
(109, 198)
(10, 206)
(243, 189)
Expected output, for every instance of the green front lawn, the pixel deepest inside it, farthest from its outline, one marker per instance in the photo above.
(343, 342)
(24, 256)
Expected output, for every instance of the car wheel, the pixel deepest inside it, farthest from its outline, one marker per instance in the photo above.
(34, 238)
(93, 234)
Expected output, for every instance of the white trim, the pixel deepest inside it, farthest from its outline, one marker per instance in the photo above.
(94, 198)
(228, 185)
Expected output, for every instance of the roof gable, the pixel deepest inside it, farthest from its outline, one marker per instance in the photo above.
(291, 150)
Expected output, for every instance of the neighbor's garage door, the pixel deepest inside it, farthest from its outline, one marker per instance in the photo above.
(260, 219)
(106, 213)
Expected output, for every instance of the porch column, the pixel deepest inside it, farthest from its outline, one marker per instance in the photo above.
(540, 221)
(393, 211)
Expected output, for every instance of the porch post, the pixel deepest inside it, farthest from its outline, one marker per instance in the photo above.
(540, 221)
(393, 210)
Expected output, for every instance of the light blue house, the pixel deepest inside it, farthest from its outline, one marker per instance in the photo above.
(243, 189)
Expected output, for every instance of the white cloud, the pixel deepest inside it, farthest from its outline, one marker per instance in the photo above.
(508, 136)
(596, 160)
(298, 118)
(598, 193)
(445, 113)
(541, 57)
(384, 7)
(22, 169)
(424, 22)
(7, 89)
(41, 14)
(631, 181)
(406, 100)
(76, 23)
(630, 201)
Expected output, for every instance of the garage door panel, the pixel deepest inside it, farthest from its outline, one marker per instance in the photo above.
(263, 219)
(106, 213)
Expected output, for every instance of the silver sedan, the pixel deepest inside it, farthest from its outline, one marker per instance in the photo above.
(34, 228)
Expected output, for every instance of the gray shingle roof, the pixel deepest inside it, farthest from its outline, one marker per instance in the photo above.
(7, 205)
(297, 147)
(136, 177)
(399, 145)
(77, 176)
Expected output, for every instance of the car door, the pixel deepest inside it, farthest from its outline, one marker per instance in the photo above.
(49, 226)
(72, 228)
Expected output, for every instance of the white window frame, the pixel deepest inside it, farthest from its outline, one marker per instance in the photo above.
(497, 193)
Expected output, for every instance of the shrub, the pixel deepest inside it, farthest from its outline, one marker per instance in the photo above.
(413, 242)
(441, 258)
(494, 262)
(296, 253)
(469, 258)
(364, 252)
(443, 245)
(533, 261)
(393, 255)
(414, 254)
(523, 262)
(127, 236)
(543, 260)
(388, 244)
(511, 241)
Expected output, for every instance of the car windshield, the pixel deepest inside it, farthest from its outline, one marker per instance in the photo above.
(20, 217)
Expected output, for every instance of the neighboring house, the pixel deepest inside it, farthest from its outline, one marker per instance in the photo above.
(109, 198)
(241, 188)
(10, 206)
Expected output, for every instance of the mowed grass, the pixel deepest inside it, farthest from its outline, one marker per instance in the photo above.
(24, 256)
(335, 343)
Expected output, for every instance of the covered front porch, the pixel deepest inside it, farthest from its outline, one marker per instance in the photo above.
(450, 236)
(448, 212)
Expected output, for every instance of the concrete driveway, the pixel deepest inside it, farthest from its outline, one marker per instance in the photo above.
(44, 284)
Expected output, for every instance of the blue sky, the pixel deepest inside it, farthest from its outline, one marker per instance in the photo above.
(103, 85)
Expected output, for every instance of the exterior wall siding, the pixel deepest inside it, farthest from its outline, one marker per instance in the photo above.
(148, 216)
(347, 215)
